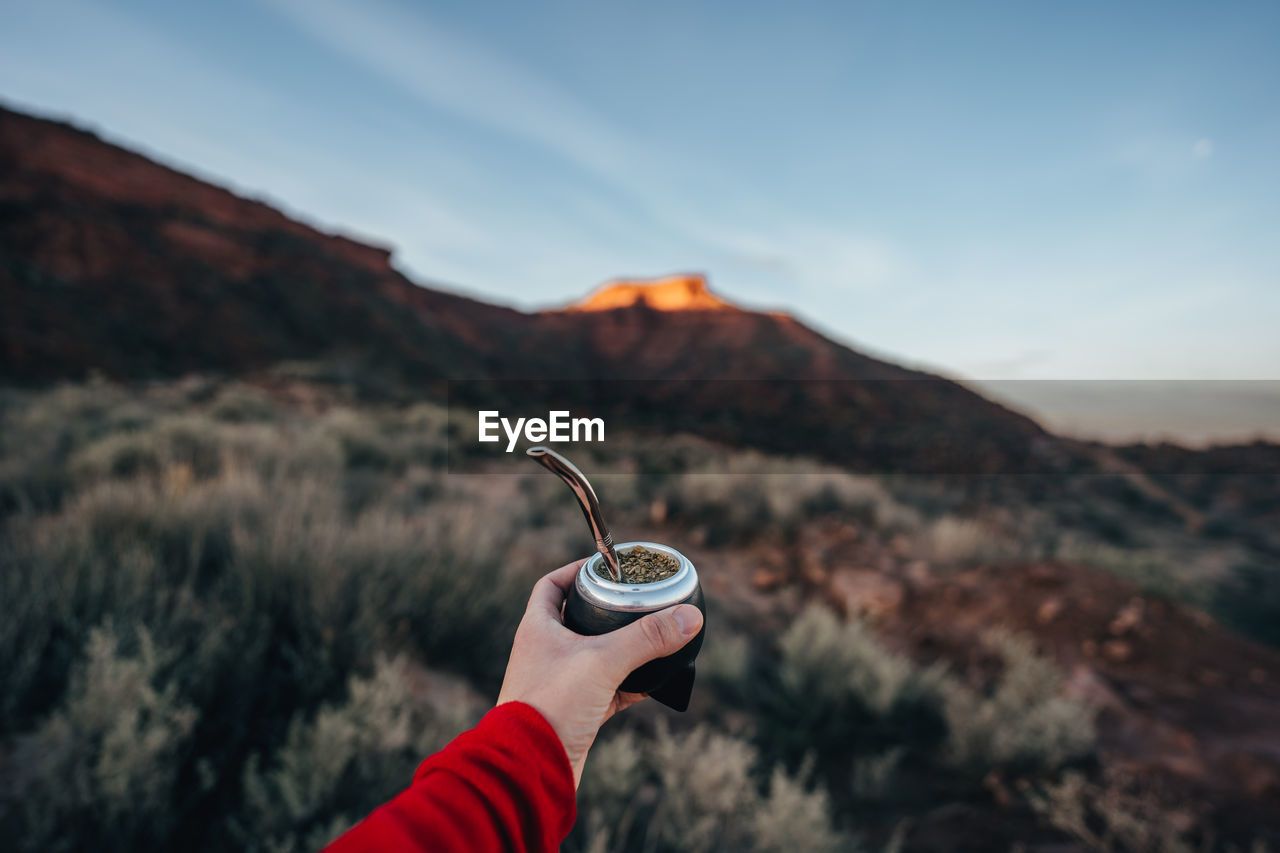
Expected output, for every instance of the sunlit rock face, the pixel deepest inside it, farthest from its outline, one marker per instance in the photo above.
(672, 293)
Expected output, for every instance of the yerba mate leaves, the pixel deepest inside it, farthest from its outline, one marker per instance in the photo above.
(640, 565)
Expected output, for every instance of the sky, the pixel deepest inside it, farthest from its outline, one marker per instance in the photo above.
(995, 190)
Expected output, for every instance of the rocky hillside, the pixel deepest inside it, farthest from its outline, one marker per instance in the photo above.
(114, 264)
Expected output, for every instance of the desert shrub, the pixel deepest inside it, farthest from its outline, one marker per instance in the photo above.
(967, 540)
(25, 633)
(875, 778)
(614, 794)
(389, 439)
(796, 497)
(239, 403)
(707, 796)
(71, 413)
(38, 431)
(200, 448)
(727, 509)
(793, 816)
(1023, 721)
(869, 718)
(186, 440)
(247, 644)
(146, 547)
(339, 764)
(1155, 573)
(741, 496)
(698, 792)
(102, 765)
(438, 580)
(724, 662)
(235, 544)
(1117, 814)
(427, 428)
(836, 686)
(363, 444)
(1248, 599)
(124, 550)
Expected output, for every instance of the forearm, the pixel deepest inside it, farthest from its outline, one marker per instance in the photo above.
(504, 785)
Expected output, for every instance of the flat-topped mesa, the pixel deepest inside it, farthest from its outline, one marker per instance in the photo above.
(670, 293)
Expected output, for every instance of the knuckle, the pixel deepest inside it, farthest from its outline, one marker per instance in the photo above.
(656, 631)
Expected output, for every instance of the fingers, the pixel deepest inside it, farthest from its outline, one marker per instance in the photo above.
(549, 592)
(654, 636)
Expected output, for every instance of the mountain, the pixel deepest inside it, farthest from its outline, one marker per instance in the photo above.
(112, 263)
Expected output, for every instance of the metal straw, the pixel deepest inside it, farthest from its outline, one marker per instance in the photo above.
(567, 471)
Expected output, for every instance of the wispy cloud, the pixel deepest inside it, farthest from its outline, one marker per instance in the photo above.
(448, 71)
(813, 253)
(1165, 158)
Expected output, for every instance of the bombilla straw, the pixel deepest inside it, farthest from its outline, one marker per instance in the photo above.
(567, 471)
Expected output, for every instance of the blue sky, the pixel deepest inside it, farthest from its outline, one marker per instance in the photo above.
(1020, 190)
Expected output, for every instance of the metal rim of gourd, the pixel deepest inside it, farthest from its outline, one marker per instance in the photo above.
(653, 595)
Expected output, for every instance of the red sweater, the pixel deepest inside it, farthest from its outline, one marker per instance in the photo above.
(504, 785)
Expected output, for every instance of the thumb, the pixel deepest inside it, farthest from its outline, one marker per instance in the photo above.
(650, 637)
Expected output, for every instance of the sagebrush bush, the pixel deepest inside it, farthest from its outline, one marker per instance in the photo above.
(102, 766)
(876, 777)
(612, 796)
(339, 764)
(966, 540)
(1154, 572)
(706, 793)
(867, 716)
(240, 403)
(836, 686)
(1024, 722)
(744, 495)
(724, 662)
(700, 791)
(1116, 814)
(202, 448)
(229, 535)
(38, 431)
(793, 816)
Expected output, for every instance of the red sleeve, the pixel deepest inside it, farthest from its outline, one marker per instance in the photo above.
(504, 785)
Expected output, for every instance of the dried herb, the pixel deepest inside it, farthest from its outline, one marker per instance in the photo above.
(640, 565)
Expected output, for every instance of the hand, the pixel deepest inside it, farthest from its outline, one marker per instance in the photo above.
(573, 680)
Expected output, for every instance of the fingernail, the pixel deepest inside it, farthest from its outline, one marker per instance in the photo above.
(688, 618)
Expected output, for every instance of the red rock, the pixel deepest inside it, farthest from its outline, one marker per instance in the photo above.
(1049, 610)
(864, 592)
(1117, 651)
(1210, 677)
(672, 293)
(1128, 618)
(1043, 574)
(765, 580)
